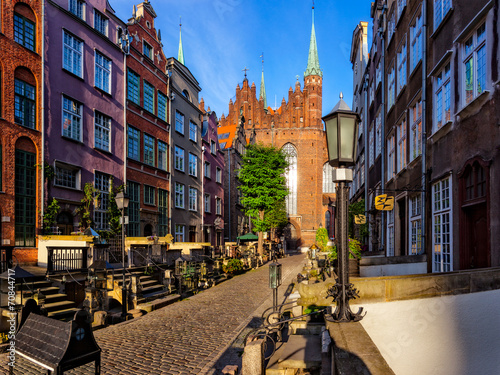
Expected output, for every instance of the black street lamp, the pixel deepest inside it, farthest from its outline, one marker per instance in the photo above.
(342, 137)
(122, 202)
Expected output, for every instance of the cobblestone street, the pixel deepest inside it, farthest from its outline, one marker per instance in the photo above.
(190, 336)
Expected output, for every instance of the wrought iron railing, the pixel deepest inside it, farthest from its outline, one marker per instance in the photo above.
(61, 259)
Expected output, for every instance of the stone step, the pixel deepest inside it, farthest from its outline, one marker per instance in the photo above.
(57, 306)
(33, 285)
(147, 283)
(45, 291)
(66, 314)
(151, 289)
(51, 298)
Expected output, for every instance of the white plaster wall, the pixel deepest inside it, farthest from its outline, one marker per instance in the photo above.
(43, 244)
(451, 335)
(393, 269)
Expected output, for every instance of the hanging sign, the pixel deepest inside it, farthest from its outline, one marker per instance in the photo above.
(384, 203)
(359, 219)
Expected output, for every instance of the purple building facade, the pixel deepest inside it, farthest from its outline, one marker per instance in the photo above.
(84, 112)
(213, 183)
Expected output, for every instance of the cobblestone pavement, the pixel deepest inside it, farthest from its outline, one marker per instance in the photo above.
(193, 336)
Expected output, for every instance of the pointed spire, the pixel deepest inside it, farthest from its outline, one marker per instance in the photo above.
(313, 68)
(180, 55)
(262, 94)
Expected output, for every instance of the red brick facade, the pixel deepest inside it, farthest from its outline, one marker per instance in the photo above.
(23, 63)
(297, 122)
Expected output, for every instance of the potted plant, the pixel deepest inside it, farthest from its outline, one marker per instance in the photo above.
(354, 255)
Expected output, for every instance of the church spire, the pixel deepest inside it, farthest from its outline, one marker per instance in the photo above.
(262, 93)
(180, 55)
(313, 68)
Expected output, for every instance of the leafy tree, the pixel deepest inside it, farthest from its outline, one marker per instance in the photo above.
(322, 238)
(50, 215)
(113, 211)
(90, 194)
(262, 177)
(277, 217)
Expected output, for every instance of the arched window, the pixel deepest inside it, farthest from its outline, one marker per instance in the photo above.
(328, 185)
(291, 178)
(24, 26)
(24, 98)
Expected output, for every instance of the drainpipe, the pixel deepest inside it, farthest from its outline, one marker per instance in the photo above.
(424, 125)
(365, 88)
(170, 163)
(382, 126)
(42, 117)
(125, 50)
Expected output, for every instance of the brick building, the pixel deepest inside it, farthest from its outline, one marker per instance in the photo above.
(296, 127)
(148, 125)
(21, 124)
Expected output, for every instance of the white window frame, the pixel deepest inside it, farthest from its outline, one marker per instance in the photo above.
(101, 22)
(441, 9)
(66, 172)
(442, 226)
(71, 119)
(471, 54)
(77, 7)
(390, 234)
(193, 165)
(328, 184)
(218, 206)
(391, 156)
(442, 98)
(213, 147)
(193, 199)
(179, 122)
(371, 146)
(415, 130)
(102, 183)
(179, 195)
(193, 131)
(402, 146)
(179, 159)
(401, 63)
(72, 50)
(391, 88)
(207, 171)
(206, 203)
(391, 26)
(162, 155)
(415, 225)
(102, 71)
(401, 7)
(102, 131)
(416, 37)
(218, 175)
(378, 133)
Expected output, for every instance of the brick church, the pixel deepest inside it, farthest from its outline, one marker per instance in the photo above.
(296, 127)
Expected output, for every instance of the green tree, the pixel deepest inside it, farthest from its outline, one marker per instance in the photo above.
(322, 238)
(357, 208)
(50, 216)
(262, 177)
(277, 217)
(90, 194)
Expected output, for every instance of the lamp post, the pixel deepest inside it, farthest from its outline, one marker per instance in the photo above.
(341, 133)
(122, 202)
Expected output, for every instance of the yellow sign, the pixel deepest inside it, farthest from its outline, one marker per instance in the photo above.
(384, 203)
(359, 219)
(169, 238)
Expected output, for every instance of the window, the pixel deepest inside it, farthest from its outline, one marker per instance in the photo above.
(475, 182)
(162, 155)
(134, 222)
(360, 125)
(401, 151)
(72, 54)
(149, 194)
(391, 27)
(102, 72)
(162, 106)
(391, 97)
(193, 131)
(147, 50)
(206, 170)
(441, 226)
(133, 87)
(218, 175)
(378, 130)
(416, 130)
(24, 31)
(193, 165)
(193, 199)
(72, 119)
(378, 75)
(362, 169)
(100, 23)
(475, 64)
(218, 206)
(179, 195)
(179, 122)
(206, 203)
(149, 150)
(390, 233)
(149, 97)
(102, 130)
(401, 60)
(401, 7)
(25, 198)
(67, 176)
(441, 8)
(291, 178)
(101, 215)
(179, 233)
(179, 159)
(391, 156)
(371, 147)
(213, 147)
(442, 97)
(372, 92)
(24, 107)
(328, 185)
(133, 139)
(415, 225)
(162, 212)
(416, 41)
(77, 7)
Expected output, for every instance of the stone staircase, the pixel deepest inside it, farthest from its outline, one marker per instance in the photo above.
(148, 288)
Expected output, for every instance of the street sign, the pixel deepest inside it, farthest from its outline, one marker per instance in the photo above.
(359, 219)
(384, 203)
(169, 238)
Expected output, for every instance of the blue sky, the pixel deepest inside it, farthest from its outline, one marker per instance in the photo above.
(221, 37)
